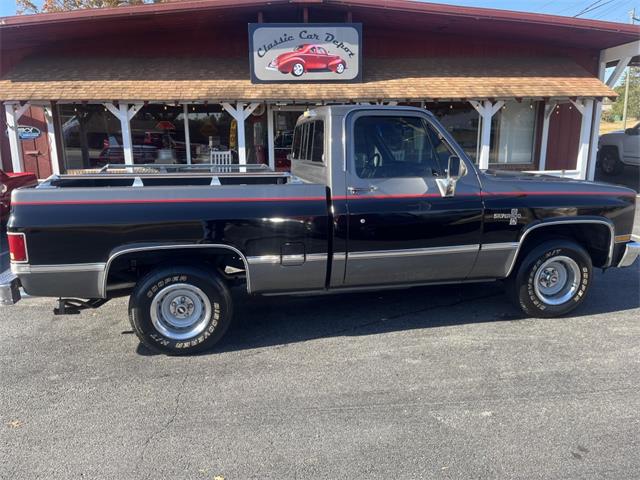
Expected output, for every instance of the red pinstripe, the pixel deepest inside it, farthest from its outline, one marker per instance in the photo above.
(309, 199)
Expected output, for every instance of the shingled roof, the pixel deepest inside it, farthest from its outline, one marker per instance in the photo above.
(206, 78)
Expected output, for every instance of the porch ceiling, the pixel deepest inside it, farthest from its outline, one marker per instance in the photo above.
(212, 79)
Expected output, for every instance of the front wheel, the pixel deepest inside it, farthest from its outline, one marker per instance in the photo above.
(297, 69)
(552, 280)
(180, 310)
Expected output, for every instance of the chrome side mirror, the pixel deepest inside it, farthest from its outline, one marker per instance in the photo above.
(447, 185)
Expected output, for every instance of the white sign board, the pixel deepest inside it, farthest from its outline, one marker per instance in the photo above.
(305, 52)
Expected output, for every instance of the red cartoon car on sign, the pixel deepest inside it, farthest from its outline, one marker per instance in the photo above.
(305, 58)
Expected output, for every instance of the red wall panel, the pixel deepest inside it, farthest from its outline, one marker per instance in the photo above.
(564, 135)
(35, 153)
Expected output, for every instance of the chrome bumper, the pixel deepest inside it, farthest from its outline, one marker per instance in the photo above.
(9, 288)
(631, 252)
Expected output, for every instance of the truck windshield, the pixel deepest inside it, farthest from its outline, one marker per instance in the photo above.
(398, 146)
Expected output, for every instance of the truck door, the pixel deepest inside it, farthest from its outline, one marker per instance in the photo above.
(401, 229)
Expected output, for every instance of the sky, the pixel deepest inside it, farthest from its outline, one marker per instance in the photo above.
(610, 10)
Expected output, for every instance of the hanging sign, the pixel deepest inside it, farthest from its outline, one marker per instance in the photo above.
(28, 133)
(305, 52)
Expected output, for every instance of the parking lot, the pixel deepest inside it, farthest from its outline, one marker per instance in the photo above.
(438, 382)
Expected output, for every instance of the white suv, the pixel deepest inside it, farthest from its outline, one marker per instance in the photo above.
(617, 149)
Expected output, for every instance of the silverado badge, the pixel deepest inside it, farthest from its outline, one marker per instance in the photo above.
(513, 217)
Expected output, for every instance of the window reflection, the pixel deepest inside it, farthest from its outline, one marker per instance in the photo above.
(512, 133)
(213, 134)
(462, 121)
(89, 133)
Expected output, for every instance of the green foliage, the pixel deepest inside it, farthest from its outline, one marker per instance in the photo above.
(633, 109)
(31, 6)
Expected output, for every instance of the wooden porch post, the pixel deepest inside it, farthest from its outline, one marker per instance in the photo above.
(125, 115)
(270, 138)
(187, 135)
(544, 142)
(487, 110)
(585, 107)
(13, 112)
(240, 114)
(51, 137)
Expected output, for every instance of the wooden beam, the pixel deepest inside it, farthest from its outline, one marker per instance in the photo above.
(51, 137)
(544, 142)
(187, 135)
(15, 144)
(271, 138)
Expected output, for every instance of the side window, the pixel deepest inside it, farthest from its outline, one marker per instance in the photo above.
(398, 146)
(308, 142)
(317, 152)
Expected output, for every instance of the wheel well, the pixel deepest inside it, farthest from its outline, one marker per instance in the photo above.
(126, 269)
(595, 238)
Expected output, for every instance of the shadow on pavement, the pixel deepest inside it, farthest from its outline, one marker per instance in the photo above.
(278, 321)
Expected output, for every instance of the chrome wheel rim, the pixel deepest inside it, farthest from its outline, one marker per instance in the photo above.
(557, 280)
(180, 311)
(298, 69)
(340, 68)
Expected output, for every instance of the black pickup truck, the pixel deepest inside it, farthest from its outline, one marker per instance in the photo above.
(380, 197)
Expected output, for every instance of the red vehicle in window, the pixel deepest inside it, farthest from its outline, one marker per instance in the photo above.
(8, 183)
(306, 58)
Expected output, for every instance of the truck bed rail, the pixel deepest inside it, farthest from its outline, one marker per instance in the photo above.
(168, 175)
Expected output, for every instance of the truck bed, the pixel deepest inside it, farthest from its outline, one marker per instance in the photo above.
(84, 223)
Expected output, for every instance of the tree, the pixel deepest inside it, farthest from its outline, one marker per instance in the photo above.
(633, 109)
(45, 6)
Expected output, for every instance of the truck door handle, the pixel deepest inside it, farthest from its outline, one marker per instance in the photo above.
(357, 190)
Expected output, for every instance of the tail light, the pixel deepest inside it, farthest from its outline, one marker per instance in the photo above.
(18, 247)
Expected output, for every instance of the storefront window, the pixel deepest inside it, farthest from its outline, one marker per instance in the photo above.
(284, 123)
(512, 134)
(89, 133)
(256, 136)
(212, 133)
(157, 133)
(461, 120)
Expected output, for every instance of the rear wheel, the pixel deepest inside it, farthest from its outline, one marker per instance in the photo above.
(180, 310)
(340, 68)
(552, 279)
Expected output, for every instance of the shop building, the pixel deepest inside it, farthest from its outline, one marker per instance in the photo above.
(183, 82)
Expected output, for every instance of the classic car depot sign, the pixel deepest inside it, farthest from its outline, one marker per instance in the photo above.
(304, 52)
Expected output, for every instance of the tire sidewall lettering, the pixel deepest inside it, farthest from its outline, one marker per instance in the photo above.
(533, 270)
(182, 344)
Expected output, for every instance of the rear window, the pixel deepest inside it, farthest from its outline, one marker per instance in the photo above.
(308, 142)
